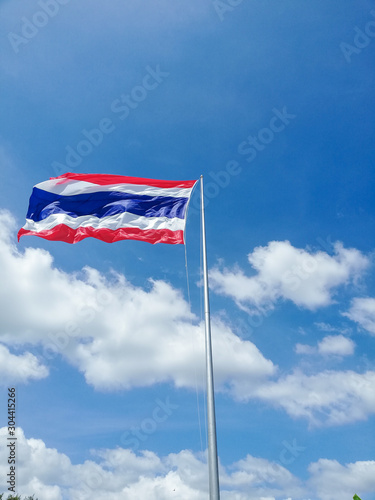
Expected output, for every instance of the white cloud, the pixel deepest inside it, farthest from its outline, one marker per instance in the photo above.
(331, 345)
(253, 472)
(19, 369)
(329, 397)
(104, 325)
(333, 481)
(337, 345)
(122, 474)
(305, 349)
(362, 311)
(284, 272)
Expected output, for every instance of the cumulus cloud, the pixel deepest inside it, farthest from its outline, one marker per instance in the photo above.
(333, 481)
(336, 345)
(120, 473)
(118, 335)
(362, 311)
(331, 345)
(254, 472)
(309, 279)
(329, 397)
(15, 369)
(121, 336)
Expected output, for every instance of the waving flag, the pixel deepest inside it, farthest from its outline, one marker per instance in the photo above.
(108, 207)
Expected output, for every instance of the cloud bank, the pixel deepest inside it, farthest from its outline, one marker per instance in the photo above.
(120, 473)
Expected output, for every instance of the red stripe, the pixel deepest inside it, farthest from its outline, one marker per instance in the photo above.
(104, 179)
(69, 235)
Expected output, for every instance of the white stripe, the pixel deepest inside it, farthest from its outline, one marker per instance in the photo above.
(111, 222)
(81, 187)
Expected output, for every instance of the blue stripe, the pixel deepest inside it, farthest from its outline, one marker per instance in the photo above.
(103, 204)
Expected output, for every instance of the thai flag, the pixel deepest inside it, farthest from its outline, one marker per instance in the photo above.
(108, 207)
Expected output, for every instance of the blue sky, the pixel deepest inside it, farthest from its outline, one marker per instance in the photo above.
(273, 103)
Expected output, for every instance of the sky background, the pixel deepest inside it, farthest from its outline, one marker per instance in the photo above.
(273, 102)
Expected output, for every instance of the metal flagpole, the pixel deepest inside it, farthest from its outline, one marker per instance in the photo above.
(213, 469)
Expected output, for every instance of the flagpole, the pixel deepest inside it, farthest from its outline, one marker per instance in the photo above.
(213, 469)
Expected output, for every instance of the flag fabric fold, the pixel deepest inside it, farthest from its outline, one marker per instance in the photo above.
(108, 207)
